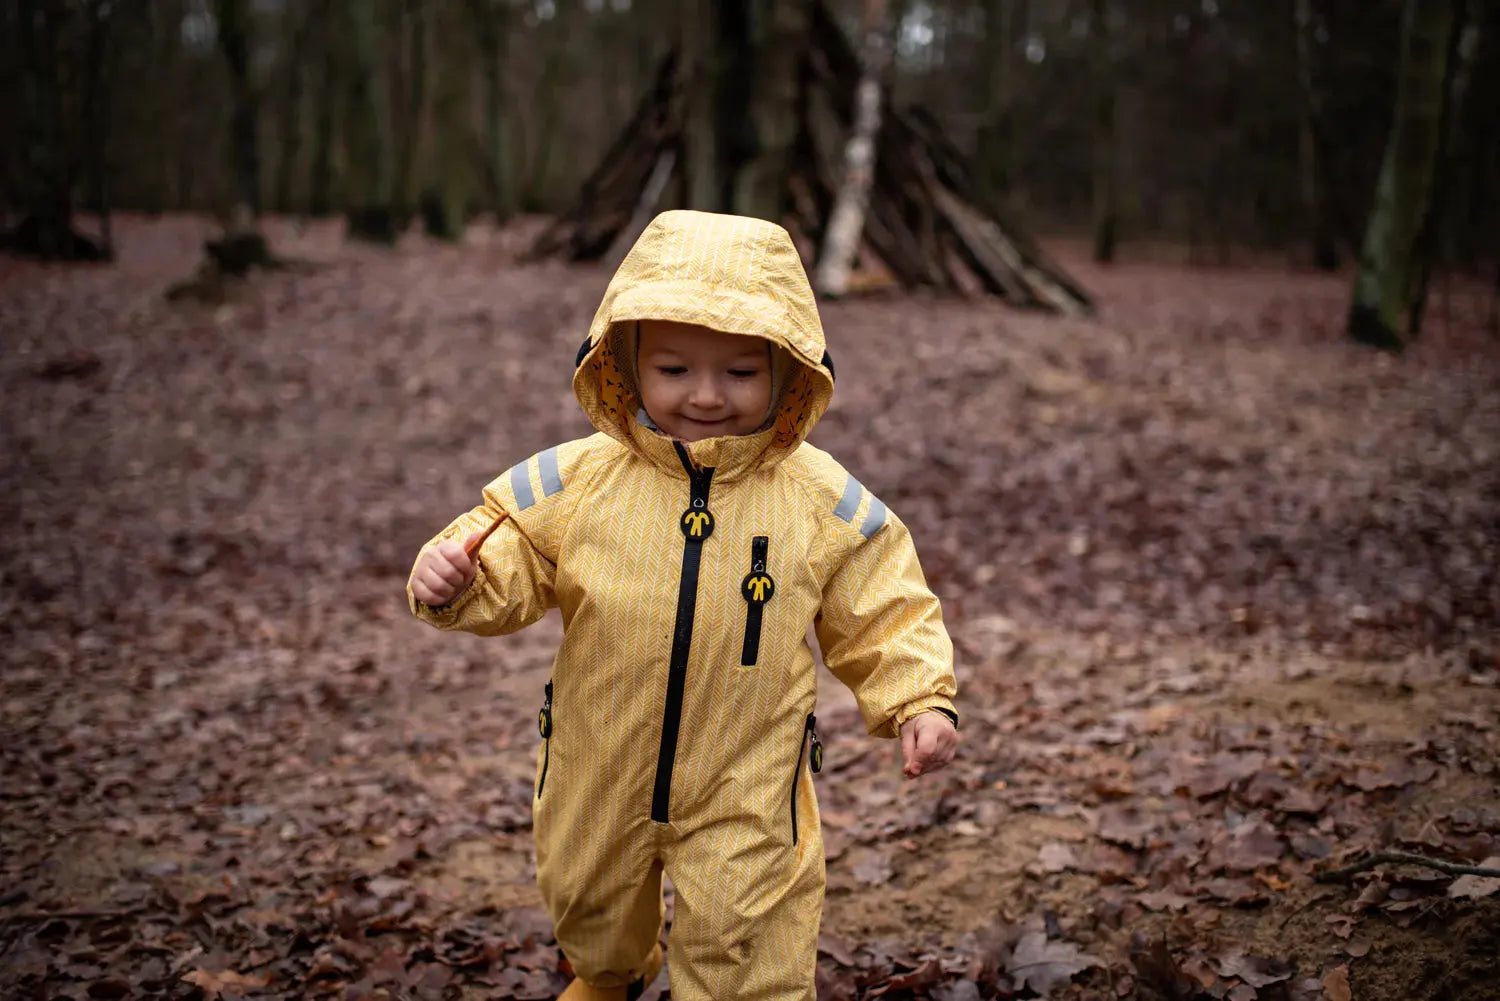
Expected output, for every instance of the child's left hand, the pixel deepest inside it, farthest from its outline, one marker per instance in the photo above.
(928, 741)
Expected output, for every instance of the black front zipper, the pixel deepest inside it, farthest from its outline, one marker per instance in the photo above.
(757, 588)
(544, 724)
(697, 524)
(814, 761)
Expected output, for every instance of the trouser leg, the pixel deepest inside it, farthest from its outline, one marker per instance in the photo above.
(606, 912)
(746, 914)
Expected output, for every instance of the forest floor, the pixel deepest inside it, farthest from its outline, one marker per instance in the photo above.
(1223, 588)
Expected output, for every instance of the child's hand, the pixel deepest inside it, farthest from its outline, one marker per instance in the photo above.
(443, 572)
(928, 741)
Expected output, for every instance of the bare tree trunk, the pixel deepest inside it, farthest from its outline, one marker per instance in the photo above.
(702, 177)
(548, 99)
(443, 194)
(846, 223)
(1429, 250)
(97, 118)
(372, 215)
(320, 185)
(242, 246)
(234, 41)
(1105, 142)
(1004, 23)
(409, 148)
(1387, 287)
(760, 168)
(47, 169)
(1309, 155)
(291, 108)
(490, 19)
(741, 59)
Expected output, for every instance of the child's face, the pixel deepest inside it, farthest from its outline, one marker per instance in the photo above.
(699, 383)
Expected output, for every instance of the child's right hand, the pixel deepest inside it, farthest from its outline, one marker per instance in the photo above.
(443, 572)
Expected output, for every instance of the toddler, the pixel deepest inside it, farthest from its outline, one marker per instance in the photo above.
(689, 544)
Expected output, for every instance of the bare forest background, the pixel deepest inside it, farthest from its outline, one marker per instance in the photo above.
(1213, 127)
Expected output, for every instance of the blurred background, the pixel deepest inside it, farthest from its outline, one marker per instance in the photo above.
(1204, 130)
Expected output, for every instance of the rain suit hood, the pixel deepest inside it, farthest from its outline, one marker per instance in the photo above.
(729, 273)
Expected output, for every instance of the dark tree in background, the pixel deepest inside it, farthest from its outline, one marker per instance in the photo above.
(42, 52)
(1311, 160)
(740, 61)
(234, 39)
(1103, 146)
(372, 208)
(1393, 259)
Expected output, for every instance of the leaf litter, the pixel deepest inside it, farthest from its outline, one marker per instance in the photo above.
(1223, 589)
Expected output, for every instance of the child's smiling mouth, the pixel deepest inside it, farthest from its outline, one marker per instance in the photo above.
(701, 422)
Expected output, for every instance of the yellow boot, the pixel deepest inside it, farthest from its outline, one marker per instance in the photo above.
(579, 990)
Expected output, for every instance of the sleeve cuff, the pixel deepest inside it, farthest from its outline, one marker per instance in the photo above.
(447, 615)
(930, 704)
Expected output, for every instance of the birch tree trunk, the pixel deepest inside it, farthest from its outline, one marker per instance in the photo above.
(846, 222)
(1390, 267)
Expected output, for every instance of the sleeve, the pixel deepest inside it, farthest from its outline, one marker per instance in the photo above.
(881, 629)
(513, 586)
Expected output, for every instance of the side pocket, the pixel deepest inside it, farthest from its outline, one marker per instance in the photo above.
(814, 762)
(544, 724)
(757, 589)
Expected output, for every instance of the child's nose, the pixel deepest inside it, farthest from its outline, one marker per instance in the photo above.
(707, 393)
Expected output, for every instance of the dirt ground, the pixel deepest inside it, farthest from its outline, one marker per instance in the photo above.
(1223, 589)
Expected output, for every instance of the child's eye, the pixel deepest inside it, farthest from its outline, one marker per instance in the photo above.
(744, 373)
(671, 369)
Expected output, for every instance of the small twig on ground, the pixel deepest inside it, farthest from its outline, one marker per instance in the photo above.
(1406, 858)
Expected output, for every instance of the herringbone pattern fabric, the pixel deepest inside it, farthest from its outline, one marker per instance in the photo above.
(607, 550)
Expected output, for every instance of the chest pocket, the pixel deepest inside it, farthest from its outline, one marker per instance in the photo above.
(758, 588)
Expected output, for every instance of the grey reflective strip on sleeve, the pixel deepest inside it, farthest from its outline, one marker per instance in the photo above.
(849, 503)
(874, 518)
(520, 485)
(551, 478)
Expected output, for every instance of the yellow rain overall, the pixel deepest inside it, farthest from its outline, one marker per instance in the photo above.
(679, 722)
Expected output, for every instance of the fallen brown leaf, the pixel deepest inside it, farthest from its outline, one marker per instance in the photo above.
(213, 983)
(1336, 984)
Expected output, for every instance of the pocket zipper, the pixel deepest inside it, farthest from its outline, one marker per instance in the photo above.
(814, 762)
(544, 724)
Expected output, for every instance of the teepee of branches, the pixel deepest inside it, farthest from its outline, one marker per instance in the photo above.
(925, 224)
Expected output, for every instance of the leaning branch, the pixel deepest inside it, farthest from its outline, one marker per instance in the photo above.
(1406, 858)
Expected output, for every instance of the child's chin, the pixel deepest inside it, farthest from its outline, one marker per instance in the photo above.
(699, 432)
